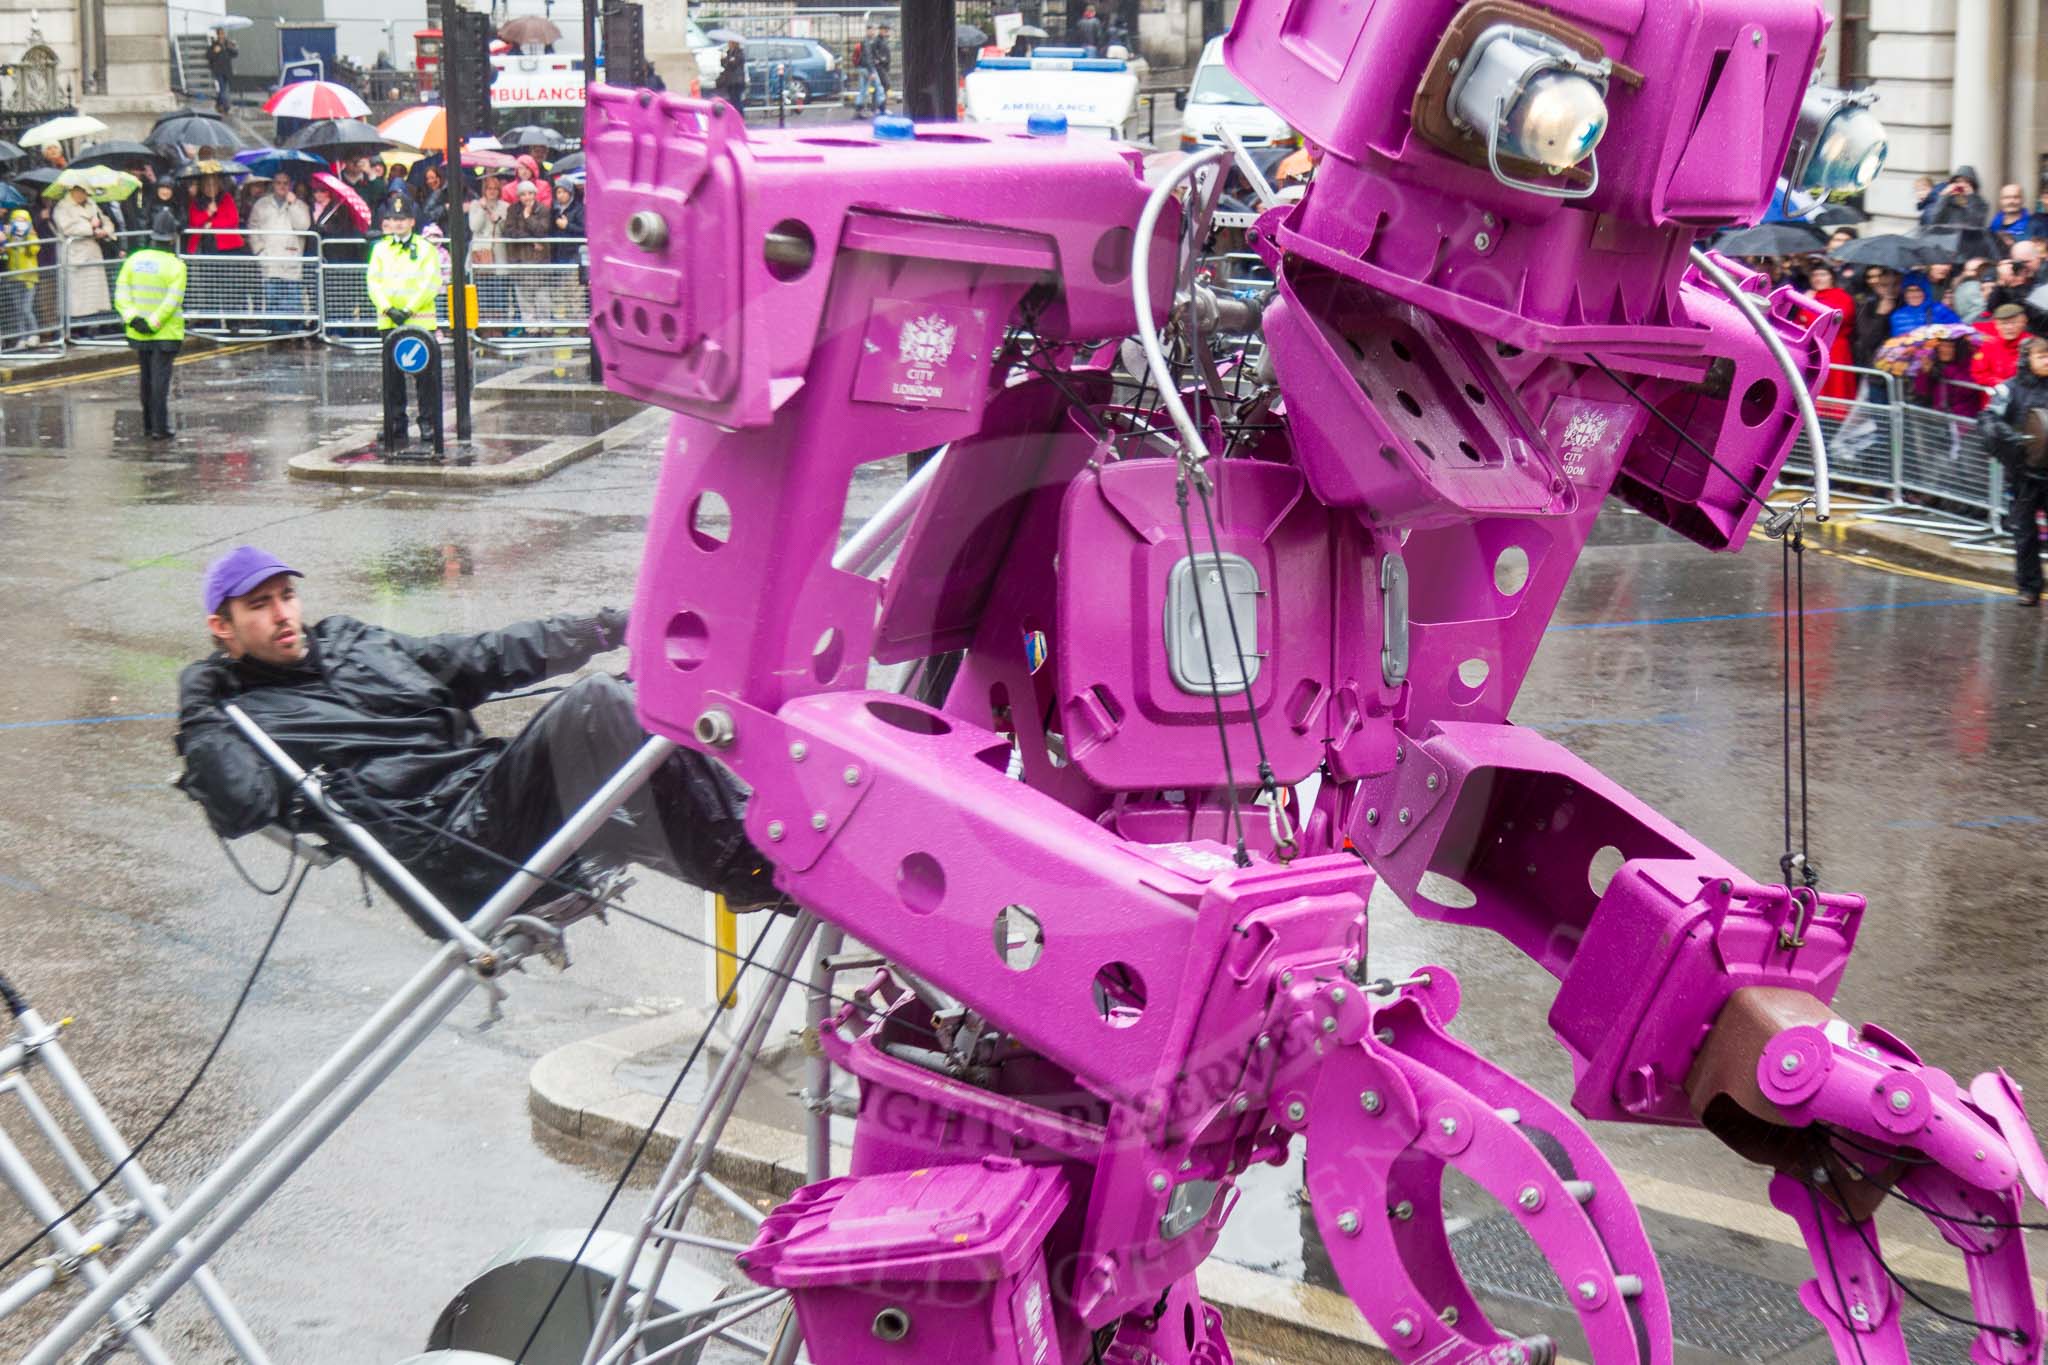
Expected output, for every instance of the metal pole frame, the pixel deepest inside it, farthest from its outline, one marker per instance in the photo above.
(341, 1081)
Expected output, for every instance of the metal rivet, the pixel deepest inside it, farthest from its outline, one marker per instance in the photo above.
(1901, 1101)
(1287, 978)
(775, 831)
(1588, 1290)
(1449, 1317)
(1756, 37)
(852, 776)
(1530, 1198)
(798, 750)
(1789, 1063)
(1403, 1211)
(1372, 815)
(715, 727)
(1347, 1223)
(1449, 1125)
(1265, 1041)
(1296, 1111)
(1979, 1154)
(1385, 1035)
(647, 230)
(1371, 1102)
(1336, 995)
(1329, 1024)
(1404, 1328)
(1404, 815)
(1432, 781)
(1400, 753)
(819, 820)
(1859, 1312)
(1481, 241)
(1159, 1182)
(1240, 1104)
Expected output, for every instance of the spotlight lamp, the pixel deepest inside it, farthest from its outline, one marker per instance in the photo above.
(1534, 99)
(1839, 146)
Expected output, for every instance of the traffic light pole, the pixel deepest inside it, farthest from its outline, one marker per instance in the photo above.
(453, 97)
(931, 62)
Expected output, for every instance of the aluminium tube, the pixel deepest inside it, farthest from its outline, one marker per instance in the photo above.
(1796, 381)
(1141, 294)
(54, 1136)
(365, 843)
(23, 1290)
(817, 1066)
(430, 979)
(865, 550)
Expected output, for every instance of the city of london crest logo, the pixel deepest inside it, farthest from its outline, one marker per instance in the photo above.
(927, 341)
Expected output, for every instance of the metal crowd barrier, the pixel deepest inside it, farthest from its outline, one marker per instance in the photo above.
(32, 313)
(526, 304)
(271, 287)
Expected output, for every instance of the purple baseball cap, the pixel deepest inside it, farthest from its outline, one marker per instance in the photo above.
(239, 570)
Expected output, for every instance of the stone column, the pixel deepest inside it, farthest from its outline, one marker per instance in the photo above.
(1977, 126)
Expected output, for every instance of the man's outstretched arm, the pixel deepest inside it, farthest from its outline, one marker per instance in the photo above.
(475, 666)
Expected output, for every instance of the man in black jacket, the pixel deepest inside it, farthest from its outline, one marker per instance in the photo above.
(387, 717)
(2016, 433)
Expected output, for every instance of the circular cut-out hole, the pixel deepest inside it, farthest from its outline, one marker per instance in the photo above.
(790, 249)
(1400, 349)
(1511, 571)
(1019, 938)
(710, 520)
(921, 883)
(1113, 256)
(1757, 402)
(687, 640)
(1469, 451)
(1601, 870)
(1474, 672)
(1475, 395)
(1407, 400)
(1448, 891)
(1119, 994)
(908, 718)
(828, 654)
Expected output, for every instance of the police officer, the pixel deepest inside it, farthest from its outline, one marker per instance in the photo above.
(150, 297)
(404, 280)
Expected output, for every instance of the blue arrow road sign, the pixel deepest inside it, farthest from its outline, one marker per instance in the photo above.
(410, 355)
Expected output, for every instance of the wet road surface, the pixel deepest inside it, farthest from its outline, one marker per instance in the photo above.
(117, 908)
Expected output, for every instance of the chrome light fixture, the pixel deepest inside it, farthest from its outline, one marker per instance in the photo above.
(1534, 98)
(1839, 146)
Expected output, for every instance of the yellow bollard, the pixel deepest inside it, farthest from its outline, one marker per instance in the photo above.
(726, 934)
(469, 299)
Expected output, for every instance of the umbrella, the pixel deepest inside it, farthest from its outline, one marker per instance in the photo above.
(1772, 239)
(37, 179)
(335, 138)
(529, 28)
(487, 142)
(346, 193)
(401, 157)
(192, 170)
(63, 128)
(316, 100)
(271, 160)
(487, 159)
(190, 128)
(10, 152)
(12, 198)
(531, 135)
(119, 155)
(1032, 31)
(571, 164)
(231, 22)
(1910, 353)
(725, 35)
(1890, 250)
(1960, 244)
(424, 126)
(103, 183)
(1839, 215)
(967, 35)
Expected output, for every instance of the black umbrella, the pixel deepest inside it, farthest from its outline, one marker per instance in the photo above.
(1960, 244)
(1839, 215)
(122, 156)
(531, 135)
(39, 179)
(967, 35)
(1772, 239)
(10, 152)
(190, 128)
(571, 162)
(1892, 251)
(336, 138)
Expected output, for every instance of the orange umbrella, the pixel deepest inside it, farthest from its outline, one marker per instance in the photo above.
(424, 126)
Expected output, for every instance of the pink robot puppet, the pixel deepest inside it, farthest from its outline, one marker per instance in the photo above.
(1212, 628)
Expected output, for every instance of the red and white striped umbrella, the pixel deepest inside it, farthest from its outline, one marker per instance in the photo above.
(316, 99)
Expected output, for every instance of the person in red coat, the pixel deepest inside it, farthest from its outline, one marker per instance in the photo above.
(1820, 283)
(2000, 339)
(213, 206)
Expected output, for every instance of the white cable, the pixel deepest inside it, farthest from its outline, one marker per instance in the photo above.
(1141, 293)
(1747, 307)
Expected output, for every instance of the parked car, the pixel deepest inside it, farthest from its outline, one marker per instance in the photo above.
(807, 70)
(1216, 100)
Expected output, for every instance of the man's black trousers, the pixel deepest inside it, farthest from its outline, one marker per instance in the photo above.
(155, 359)
(428, 384)
(2029, 499)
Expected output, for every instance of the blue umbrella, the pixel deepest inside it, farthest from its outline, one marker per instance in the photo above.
(12, 198)
(270, 160)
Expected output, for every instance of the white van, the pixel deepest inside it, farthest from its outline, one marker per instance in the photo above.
(1217, 100)
(1096, 95)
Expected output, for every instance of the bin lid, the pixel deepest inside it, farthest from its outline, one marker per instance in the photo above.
(974, 1221)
